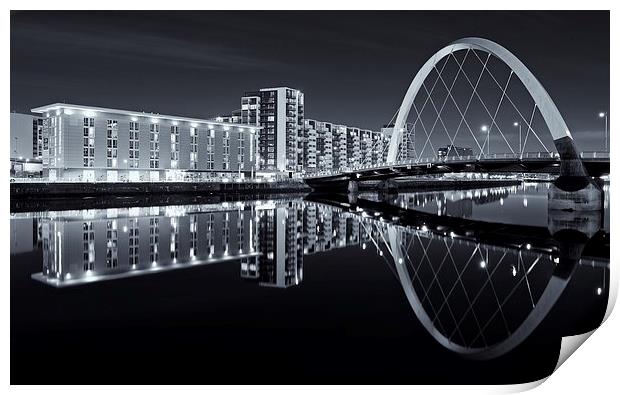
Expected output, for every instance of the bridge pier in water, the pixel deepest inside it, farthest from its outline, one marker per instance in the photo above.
(574, 189)
(575, 194)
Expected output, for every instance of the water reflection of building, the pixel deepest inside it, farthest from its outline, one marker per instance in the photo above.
(268, 239)
(24, 235)
(280, 263)
(113, 243)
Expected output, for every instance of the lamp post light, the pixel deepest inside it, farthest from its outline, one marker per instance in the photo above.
(485, 129)
(604, 115)
(517, 124)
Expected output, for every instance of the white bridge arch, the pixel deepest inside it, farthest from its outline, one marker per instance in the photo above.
(557, 126)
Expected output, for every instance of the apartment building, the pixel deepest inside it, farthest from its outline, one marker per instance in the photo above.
(91, 144)
(406, 147)
(330, 147)
(280, 114)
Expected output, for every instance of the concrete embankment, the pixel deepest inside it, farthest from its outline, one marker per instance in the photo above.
(60, 189)
(55, 195)
(111, 201)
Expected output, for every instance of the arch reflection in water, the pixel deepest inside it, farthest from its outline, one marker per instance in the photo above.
(481, 289)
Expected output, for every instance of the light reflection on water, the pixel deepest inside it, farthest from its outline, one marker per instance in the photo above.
(524, 204)
(473, 296)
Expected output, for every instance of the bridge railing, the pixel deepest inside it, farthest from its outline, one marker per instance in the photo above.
(594, 155)
(455, 159)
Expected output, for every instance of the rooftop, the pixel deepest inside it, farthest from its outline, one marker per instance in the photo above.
(279, 87)
(92, 110)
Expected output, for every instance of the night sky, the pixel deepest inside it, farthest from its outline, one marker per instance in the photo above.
(354, 67)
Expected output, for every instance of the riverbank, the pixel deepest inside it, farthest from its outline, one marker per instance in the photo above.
(81, 189)
(37, 196)
(111, 201)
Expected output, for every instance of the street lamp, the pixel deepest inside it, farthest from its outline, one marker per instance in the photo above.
(485, 129)
(519, 125)
(604, 115)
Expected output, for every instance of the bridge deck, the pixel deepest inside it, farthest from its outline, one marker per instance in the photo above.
(596, 164)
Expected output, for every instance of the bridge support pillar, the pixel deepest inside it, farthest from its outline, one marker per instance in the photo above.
(353, 187)
(572, 230)
(575, 193)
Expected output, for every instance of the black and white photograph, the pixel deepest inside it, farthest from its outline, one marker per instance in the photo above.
(417, 197)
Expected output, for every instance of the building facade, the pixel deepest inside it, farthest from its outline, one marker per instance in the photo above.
(26, 136)
(102, 144)
(406, 146)
(233, 117)
(280, 114)
(332, 147)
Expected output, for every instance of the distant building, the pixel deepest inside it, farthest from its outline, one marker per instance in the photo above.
(26, 168)
(84, 143)
(452, 150)
(330, 146)
(26, 136)
(280, 113)
(233, 117)
(406, 147)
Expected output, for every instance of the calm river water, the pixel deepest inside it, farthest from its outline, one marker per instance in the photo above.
(305, 290)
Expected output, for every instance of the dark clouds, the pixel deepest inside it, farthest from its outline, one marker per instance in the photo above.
(353, 66)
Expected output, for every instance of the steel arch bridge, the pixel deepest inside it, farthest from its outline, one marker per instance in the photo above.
(432, 120)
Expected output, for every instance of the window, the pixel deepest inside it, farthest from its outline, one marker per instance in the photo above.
(174, 238)
(209, 233)
(89, 142)
(226, 232)
(193, 147)
(174, 147)
(154, 239)
(112, 244)
(134, 242)
(134, 145)
(241, 150)
(193, 236)
(88, 233)
(240, 232)
(112, 143)
(226, 151)
(210, 144)
(154, 146)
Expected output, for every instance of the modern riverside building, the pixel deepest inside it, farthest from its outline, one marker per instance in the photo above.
(280, 113)
(90, 144)
(329, 146)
